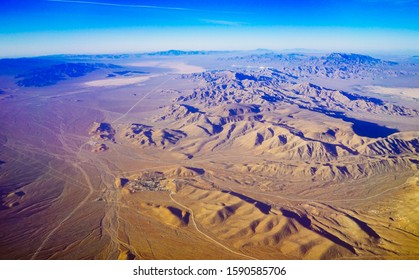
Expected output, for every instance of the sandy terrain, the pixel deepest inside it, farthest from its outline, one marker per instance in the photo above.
(117, 81)
(243, 165)
(178, 67)
(408, 92)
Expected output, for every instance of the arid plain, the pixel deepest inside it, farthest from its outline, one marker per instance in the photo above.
(209, 155)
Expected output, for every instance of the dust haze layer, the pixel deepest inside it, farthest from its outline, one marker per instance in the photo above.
(246, 155)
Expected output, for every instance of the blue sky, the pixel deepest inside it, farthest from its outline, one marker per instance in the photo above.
(38, 27)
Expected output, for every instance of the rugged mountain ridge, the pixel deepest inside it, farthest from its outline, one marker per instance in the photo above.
(262, 113)
(333, 66)
(270, 86)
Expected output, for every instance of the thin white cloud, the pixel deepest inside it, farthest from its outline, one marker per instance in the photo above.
(144, 6)
(223, 22)
(119, 5)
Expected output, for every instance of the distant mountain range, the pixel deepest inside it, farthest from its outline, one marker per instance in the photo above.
(334, 65)
(48, 70)
(178, 53)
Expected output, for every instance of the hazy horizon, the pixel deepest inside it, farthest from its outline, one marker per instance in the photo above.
(374, 53)
(48, 27)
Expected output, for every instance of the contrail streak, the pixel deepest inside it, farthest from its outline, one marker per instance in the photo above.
(142, 6)
(120, 5)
